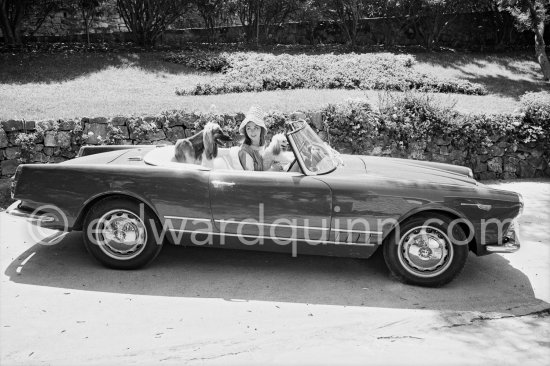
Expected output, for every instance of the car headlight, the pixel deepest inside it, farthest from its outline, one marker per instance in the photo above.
(522, 204)
(470, 173)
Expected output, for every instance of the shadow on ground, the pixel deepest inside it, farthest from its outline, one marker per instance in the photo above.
(502, 85)
(51, 68)
(487, 283)
(490, 71)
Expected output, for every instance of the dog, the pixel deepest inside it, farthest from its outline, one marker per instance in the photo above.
(273, 160)
(202, 147)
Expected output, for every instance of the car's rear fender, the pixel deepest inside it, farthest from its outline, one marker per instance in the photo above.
(79, 222)
(115, 194)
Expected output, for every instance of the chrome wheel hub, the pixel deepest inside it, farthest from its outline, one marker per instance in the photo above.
(425, 251)
(121, 234)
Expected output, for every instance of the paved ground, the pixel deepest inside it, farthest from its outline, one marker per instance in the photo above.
(205, 306)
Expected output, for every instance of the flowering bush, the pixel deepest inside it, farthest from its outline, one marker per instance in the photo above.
(246, 72)
(412, 117)
(406, 119)
(114, 135)
(140, 128)
(536, 107)
(351, 123)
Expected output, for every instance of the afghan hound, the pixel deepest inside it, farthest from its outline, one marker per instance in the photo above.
(202, 147)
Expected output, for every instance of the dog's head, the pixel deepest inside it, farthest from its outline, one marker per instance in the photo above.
(278, 143)
(213, 136)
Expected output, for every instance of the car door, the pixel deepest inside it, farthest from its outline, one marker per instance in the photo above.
(272, 205)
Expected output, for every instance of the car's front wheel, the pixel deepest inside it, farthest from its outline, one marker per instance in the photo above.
(118, 232)
(426, 250)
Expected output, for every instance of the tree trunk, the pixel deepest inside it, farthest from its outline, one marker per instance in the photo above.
(88, 33)
(11, 27)
(86, 25)
(540, 51)
(5, 25)
(257, 25)
(430, 37)
(538, 29)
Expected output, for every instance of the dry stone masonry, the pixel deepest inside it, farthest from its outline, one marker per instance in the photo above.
(66, 23)
(475, 30)
(56, 141)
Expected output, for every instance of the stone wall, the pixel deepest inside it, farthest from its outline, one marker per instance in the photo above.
(56, 141)
(66, 24)
(476, 31)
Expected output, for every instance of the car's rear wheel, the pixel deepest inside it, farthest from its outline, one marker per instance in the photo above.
(426, 250)
(118, 232)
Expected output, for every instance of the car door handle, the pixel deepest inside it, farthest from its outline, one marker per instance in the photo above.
(221, 183)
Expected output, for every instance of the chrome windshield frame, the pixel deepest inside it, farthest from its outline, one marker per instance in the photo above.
(298, 155)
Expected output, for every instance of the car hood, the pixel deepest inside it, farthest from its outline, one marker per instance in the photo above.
(394, 168)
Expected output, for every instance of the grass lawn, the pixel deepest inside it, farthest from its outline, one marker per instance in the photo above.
(64, 86)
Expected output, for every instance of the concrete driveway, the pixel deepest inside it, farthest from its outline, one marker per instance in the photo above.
(209, 306)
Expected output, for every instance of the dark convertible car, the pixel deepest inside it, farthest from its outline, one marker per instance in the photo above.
(130, 200)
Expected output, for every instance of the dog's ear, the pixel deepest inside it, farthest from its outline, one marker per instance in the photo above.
(277, 142)
(178, 151)
(214, 149)
(210, 148)
(276, 146)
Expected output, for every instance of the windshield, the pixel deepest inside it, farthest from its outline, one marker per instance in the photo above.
(316, 155)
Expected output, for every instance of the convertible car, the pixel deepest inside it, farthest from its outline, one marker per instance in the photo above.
(130, 200)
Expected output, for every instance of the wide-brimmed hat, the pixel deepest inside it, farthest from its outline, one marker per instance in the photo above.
(255, 115)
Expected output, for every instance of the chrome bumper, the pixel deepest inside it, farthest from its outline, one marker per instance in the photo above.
(510, 242)
(43, 219)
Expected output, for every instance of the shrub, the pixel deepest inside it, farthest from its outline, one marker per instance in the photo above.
(479, 132)
(28, 142)
(114, 135)
(351, 123)
(407, 119)
(248, 72)
(411, 117)
(536, 107)
(200, 60)
(140, 128)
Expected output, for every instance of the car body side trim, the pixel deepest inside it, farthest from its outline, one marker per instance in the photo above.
(274, 225)
(187, 218)
(273, 237)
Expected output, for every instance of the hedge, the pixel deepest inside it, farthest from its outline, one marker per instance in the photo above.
(247, 72)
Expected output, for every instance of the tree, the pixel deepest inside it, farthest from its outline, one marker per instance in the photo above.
(309, 14)
(42, 9)
(532, 15)
(11, 15)
(388, 10)
(147, 19)
(277, 12)
(347, 14)
(430, 18)
(252, 13)
(214, 13)
(89, 9)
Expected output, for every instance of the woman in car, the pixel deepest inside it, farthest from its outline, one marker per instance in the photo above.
(254, 130)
